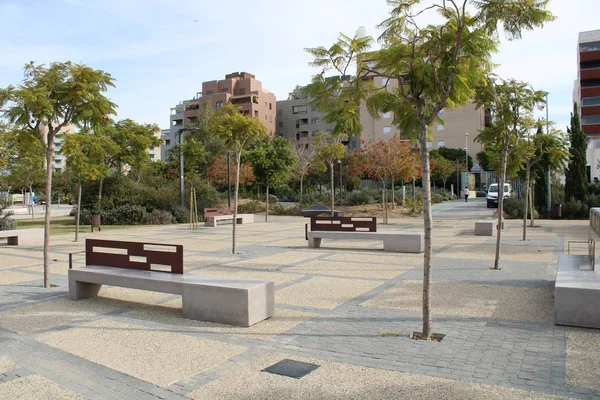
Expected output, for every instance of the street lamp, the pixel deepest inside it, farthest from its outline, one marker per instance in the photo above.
(181, 197)
(466, 155)
(229, 179)
(340, 162)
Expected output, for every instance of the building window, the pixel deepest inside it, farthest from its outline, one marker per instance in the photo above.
(280, 124)
(151, 148)
(265, 103)
(255, 113)
(270, 118)
(429, 145)
(441, 143)
(590, 120)
(387, 130)
(315, 120)
(440, 127)
(168, 142)
(152, 156)
(590, 101)
(219, 104)
(387, 115)
(299, 110)
(593, 46)
(265, 117)
(313, 108)
(270, 106)
(280, 112)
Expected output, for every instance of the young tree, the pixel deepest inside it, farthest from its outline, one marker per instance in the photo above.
(305, 153)
(575, 175)
(422, 69)
(86, 153)
(238, 131)
(442, 170)
(271, 160)
(25, 163)
(50, 98)
(512, 106)
(328, 150)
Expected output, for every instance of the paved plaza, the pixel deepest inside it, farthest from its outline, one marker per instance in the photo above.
(347, 307)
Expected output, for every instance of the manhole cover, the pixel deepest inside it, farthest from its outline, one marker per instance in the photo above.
(291, 368)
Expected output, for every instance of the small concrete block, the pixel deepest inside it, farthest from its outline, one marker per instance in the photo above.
(485, 227)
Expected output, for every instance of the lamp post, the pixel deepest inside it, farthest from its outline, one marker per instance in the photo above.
(341, 186)
(181, 183)
(466, 153)
(229, 180)
(548, 183)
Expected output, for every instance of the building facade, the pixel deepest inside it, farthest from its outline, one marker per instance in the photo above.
(298, 120)
(239, 88)
(60, 161)
(588, 85)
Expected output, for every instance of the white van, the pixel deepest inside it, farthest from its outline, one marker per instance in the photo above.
(492, 194)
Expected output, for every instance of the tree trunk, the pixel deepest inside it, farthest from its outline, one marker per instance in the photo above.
(531, 196)
(100, 189)
(301, 182)
(49, 166)
(32, 203)
(527, 177)
(235, 204)
(393, 192)
(332, 188)
(501, 202)
(78, 211)
(427, 226)
(267, 209)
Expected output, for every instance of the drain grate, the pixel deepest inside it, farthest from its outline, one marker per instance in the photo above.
(291, 368)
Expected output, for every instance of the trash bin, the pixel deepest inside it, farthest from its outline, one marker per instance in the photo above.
(96, 222)
(556, 210)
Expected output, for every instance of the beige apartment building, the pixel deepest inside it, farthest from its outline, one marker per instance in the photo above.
(239, 88)
(459, 129)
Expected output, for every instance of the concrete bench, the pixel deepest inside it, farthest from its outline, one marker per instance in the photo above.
(23, 236)
(233, 301)
(398, 242)
(241, 219)
(485, 227)
(576, 292)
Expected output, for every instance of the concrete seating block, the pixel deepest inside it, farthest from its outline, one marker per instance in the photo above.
(485, 227)
(398, 242)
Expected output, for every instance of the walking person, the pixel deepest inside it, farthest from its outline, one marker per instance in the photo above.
(466, 193)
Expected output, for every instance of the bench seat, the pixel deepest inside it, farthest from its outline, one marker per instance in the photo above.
(576, 292)
(232, 301)
(241, 219)
(398, 242)
(20, 236)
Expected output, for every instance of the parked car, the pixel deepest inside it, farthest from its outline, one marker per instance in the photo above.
(492, 194)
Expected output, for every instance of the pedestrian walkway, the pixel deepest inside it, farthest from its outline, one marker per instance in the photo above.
(348, 308)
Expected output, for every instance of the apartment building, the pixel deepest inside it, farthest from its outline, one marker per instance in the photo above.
(297, 119)
(458, 129)
(60, 161)
(239, 88)
(156, 151)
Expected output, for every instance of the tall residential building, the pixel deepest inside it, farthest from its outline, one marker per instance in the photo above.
(167, 144)
(297, 119)
(588, 85)
(60, 161)
(156, 151)
(586, 94)
(239, 88)
(459, 129)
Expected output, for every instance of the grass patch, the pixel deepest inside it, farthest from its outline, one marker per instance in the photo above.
(63, 224)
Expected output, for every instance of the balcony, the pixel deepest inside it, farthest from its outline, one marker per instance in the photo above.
(592, 73)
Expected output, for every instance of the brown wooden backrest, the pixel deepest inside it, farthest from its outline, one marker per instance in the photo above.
(343, 224)
(215, 212)
(135, 255)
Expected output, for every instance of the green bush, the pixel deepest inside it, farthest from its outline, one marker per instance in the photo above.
(160, 217)
(593, 200)
(357, 197)
(125, 215)
(7, 223)
(278, 209)
(310, 199)
(575, 209)
(416, 205)
(514, 208)
(181, 215)
(251, 207)
(286, 193)
(206, 195)
(436, 198)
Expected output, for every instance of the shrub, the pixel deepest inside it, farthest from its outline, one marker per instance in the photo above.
(181, 215)
(125, 215)
(278, 209)
(7, 223)
(514, 208)
(160, 217)
(357, 197)
(206, 195)
(416, 205)
(593, 200)
(286, 193)
(251, 207)
(436, 198)
(310, 199)
(574, 209)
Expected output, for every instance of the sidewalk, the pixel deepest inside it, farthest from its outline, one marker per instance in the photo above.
(22, 212)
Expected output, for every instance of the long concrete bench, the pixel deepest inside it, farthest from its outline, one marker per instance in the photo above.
(135, 265)
(576, 292)
(232, 301)
(23, 236)
(398, 242)
(241, 219)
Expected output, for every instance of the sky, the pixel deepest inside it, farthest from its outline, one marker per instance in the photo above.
(160, 51)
